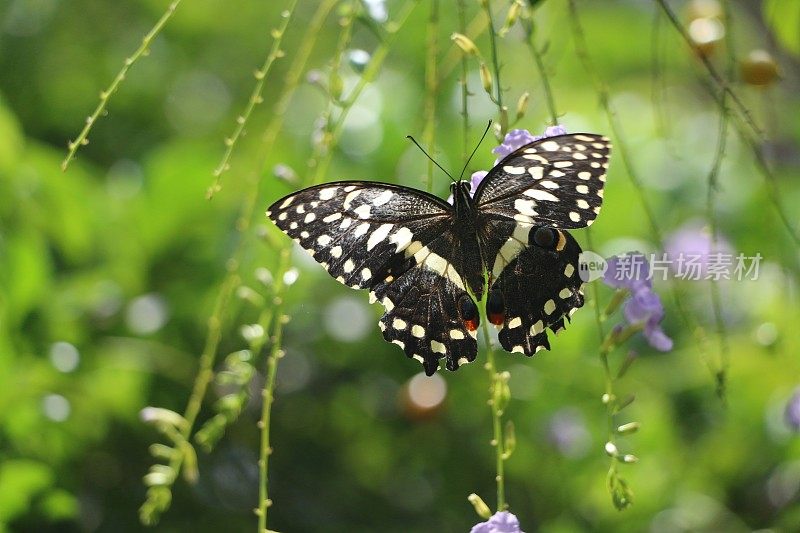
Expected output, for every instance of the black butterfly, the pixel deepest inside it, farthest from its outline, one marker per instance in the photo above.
(427, 261)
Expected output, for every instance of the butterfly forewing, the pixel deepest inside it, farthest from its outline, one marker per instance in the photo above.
(556, 181)
(397, 242)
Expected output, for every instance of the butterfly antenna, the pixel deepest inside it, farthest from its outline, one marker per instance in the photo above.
(489, 125)
(413, 140)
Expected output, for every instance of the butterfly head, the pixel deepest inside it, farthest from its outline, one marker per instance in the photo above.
(461, 191)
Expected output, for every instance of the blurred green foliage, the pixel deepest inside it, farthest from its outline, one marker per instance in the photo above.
(108, 274)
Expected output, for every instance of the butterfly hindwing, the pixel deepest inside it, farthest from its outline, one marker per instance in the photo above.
(423, 318)
(556, 181)
(537, 290)
(392, 241)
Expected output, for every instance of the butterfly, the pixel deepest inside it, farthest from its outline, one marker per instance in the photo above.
(428, 262)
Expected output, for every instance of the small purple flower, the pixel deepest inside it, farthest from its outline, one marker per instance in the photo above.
(643, 307)
(792, 412)
(500, 522)
(515, 139)
(629, 271)
(691, 251)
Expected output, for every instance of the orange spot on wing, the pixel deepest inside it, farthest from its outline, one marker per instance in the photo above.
(471, 325)
(496, 319)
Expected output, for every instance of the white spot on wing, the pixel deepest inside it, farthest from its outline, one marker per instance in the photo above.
(514, 170)
(575, 217)
(399, 323)
(363, 211)
(569, 270)
(336, 252)
(311, 217)
(378, 235)
(536, 194)
(525, 207)
(327, 194)
(438, 347)
(515, 322)
(550, 146)
(350, 197)
(286, 203)
(418, 331)
(324, 240)
(349, 266)
(456, 334)
(332, 218)
(382, 198)
(549, 307)
(361, 230)
(402, 238)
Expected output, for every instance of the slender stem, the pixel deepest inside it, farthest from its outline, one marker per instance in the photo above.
(431, 87)
(495, 62)
(268, 394)
(462, 23)
(497, 433)
(530, 41)
(255, 97)
(105, 96)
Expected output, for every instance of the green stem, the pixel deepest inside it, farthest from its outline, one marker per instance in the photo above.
(537, 58)
(268, 396)
(255, 98)
(495, 62)
(462, 27)
(497, 416)
(431, 88)
(105, 96)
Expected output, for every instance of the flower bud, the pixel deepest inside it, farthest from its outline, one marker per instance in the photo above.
(486, 79)
(611, 449)
(480, 506)
(630, 427)
(522, 104)
(509, 440)
(465, 43)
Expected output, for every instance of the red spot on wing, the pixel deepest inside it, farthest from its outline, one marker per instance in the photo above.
(472, 325)
(496, 318)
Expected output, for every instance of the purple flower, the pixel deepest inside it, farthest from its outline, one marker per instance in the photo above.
(501, 522)
(515, 139)
(643, 306)
(691, 252)
(629, 271)
(792, 412)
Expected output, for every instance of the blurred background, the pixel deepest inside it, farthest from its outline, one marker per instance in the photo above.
(110, 271)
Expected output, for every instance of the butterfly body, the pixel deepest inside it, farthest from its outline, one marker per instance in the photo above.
(427, 261)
